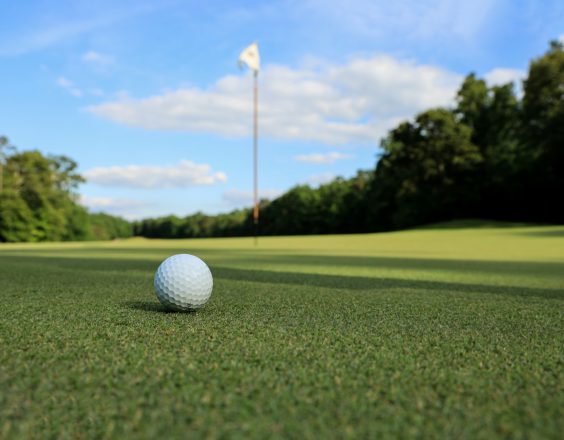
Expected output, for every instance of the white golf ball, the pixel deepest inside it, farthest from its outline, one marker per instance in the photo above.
(183, 282)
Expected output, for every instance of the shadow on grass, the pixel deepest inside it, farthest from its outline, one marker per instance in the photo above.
(473, 224)
(127, 269)
(375, 284)
(547, 234)
(223, 259)
(150, 306)
(535, 268)
(149, 258)
(146, 253)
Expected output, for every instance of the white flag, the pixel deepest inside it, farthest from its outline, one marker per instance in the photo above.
(250, 57)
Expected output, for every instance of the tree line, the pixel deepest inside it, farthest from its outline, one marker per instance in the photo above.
(38, 201)
(496, 154)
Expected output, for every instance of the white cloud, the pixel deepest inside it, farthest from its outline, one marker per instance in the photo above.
(322, 158)
(69, 86)
(108, 202)
(184, 174)
(502, 76)
(242, 198)
(97, 58)
(127, 208)
(320, 179)
(332, 104)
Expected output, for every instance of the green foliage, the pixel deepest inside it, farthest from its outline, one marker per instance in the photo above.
(493, 155)
(5, 147)
(543, 106)
(472, 104)
(425, 171)
(297, 211)
(108, 227)
(335, 207)
(493, 114)
(543, 131)
(195, 225)
(38, 201)
(16, 219)
(350, 336)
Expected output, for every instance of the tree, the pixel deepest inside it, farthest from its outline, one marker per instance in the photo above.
(473, 100)
(543, 130)
(40, 203)
(5, 148)
(17, 222)
(295, 212)
(425, 173)
(108, 227)
(493, 115)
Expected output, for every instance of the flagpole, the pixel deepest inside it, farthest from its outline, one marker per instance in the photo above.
(255, 157)
(250, 56)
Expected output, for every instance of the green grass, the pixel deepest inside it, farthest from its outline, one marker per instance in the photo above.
(454, 333)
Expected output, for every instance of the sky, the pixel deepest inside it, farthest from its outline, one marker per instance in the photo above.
(147, 97)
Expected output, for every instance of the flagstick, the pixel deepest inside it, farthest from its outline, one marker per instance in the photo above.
(255, 157)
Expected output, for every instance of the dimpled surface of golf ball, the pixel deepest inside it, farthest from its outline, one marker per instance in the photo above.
(183, 282)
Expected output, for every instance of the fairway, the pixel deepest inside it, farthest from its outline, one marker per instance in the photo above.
(426, 333)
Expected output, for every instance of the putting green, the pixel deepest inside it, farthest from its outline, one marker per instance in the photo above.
(432, 332)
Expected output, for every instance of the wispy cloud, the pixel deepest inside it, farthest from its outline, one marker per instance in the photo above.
(97, 58)
(320, 179)
(423, 20)
(322, 158)
(332, 104)
(128, 208)
(37, 37)
(502, 76)
(43, 38)
(76, 91)
(96, 92)
(69, 86)
(236, 198)
(184, 174)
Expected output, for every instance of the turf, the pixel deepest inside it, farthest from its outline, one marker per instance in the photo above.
(452, 333)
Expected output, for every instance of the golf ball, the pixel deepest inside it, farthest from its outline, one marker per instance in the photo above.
(183, 282)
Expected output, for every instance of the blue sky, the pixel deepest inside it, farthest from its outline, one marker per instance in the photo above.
(148, 99)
